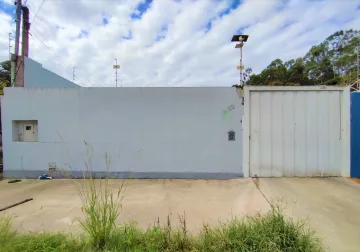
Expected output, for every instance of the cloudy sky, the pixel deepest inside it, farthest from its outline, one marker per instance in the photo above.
(171, 42)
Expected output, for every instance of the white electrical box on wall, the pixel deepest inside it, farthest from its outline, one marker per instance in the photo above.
(25, 131)
(29, 134)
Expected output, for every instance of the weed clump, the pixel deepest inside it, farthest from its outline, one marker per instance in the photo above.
(101, 204)
(270, 232)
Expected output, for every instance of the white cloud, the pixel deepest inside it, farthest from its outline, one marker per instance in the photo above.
(174, 43)
(5, 21)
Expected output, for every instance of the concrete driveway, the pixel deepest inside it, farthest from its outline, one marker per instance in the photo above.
(332, 204)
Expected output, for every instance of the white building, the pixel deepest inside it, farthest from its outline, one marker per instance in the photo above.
(146, 132)
(177, 132)
(37, 76)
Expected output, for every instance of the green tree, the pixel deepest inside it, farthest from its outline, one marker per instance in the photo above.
(289, 64)
(342, 50)
(5, 77)
(276, 71)
(255, 79)
(296, 73)
(331, 62)
(246, 77)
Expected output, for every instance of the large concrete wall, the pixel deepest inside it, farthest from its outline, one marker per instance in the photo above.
(37, 76)
(146, 132)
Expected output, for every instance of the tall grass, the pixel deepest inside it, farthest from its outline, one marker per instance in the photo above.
(6, 231)
(271, 232)
(101, 203)
(268, 232)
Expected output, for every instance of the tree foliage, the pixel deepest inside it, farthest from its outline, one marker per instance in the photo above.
(332, 62)
(5, 78)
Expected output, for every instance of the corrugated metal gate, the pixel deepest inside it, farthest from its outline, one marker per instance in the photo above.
(295, 133)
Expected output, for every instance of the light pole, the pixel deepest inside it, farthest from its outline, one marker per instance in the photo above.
(240, 39)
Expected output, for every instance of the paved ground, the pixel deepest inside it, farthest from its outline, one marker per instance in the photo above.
(333, 204)
(56, 203)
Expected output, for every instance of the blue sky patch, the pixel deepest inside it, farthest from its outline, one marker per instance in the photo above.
(208, 26)
(7, 8)
(128, 37)
(58, 27)
(141, 9)
(105, 18)
(337, 21)
(242, 29)
(162, 34)
(83, 34)
(286, 25)
(234, 4)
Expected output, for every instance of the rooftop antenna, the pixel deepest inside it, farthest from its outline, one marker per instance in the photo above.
(74, 74)
(116, 67)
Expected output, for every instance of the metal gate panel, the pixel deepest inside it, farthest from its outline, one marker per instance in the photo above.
(295, 133)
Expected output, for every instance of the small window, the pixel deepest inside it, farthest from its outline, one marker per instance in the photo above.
(231, 135)
(25, 131)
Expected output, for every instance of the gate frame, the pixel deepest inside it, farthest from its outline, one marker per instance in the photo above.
(345, 121)
(355, 121)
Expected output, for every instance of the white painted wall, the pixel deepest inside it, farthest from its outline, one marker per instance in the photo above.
(37, 76)
(149, 132)
(297, 131)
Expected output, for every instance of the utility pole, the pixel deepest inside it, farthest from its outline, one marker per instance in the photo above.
(25, 31)
(116, 67)
(74, 74)
(14, 57)
(241, 65)
(20, 59)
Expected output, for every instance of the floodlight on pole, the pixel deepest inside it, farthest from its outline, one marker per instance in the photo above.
(240, 39)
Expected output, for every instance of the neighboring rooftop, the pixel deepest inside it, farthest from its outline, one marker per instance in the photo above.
(37, 76)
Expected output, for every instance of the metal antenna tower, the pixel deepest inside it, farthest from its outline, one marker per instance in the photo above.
(116, 67)
(10, 45)
(74, 74)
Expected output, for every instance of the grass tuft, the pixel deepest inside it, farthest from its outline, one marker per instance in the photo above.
(101, 205)
(270, 232)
